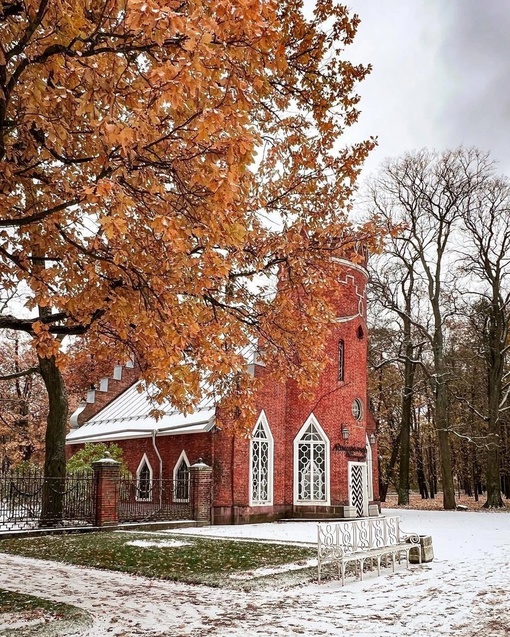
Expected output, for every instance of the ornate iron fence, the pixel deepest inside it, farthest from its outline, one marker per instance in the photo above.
(142, 500)
(69, 501)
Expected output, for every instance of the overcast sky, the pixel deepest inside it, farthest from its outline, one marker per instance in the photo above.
(441, 76)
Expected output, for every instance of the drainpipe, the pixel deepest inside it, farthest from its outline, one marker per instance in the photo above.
(154, 434)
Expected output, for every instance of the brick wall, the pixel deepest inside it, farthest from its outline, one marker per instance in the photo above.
(107, 389)
(170, 448)
(286, 412)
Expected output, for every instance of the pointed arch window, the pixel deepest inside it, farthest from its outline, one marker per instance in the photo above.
(181, 479)
(311, 464)
(144, 480)
(261, 463)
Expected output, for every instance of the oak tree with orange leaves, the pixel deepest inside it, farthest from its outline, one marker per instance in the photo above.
(160, 163)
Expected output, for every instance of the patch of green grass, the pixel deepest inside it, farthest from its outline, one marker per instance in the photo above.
(18, 603)
(33, 615)
(201, 560)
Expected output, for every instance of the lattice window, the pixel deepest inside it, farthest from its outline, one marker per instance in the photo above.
(181, 479)
(261, 464)
(341, 360)
(144, 480)
(311, 466)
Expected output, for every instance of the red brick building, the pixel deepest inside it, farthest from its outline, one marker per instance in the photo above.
(305, 458)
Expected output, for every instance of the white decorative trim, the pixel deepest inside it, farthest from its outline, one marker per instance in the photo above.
(326, 502)
(182, 457)
(370, 471)
(262, 420)
(143, 461)
(363, 465)
(74, 418)
(351, 264)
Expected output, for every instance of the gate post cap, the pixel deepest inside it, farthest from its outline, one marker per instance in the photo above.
(106, 461)
(200, 465)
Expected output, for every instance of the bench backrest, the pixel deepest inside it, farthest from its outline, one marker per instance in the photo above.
(351, 536)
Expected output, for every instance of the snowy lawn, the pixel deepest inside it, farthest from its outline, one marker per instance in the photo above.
(195, 560)
(464, 592)
(26, 614)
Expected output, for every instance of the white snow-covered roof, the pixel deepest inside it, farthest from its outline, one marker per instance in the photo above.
(130, 415)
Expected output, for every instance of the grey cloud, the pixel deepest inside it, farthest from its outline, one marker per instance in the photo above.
(475, 63)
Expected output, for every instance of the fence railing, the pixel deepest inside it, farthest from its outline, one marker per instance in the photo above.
(102, 498)
(155, 500)
(28, 501)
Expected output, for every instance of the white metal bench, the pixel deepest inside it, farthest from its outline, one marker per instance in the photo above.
(356, 541)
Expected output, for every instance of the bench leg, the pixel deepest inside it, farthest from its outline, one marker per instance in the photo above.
(378, 565)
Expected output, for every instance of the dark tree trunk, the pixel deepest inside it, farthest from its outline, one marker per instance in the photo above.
(55, 459)
(496, 337)
(384, 483)
(432, 471)
(441, 420)
(405, 425)
(420, 473)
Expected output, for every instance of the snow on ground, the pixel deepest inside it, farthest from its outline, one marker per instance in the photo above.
(463, 592)
(154, 544)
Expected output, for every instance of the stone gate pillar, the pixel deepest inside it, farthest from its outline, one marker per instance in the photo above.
(106, 479)
(201, 492)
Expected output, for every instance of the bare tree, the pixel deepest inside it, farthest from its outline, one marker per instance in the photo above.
(393, 286)
(486, 257)
(423, 197)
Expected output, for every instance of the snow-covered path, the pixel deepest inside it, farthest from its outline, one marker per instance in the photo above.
(464, 592)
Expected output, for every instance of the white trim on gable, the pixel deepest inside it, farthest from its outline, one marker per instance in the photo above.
(177, 487)
(370, 471)
(264, 424)
(139, 487)
(300, 501)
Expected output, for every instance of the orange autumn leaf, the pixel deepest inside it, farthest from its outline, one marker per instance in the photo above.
(161, 165)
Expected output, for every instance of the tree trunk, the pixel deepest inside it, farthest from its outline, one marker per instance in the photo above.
(432, 470)
(494, 499)
(445, 457)
(420, 472)
(55, 459)
(441, 415)
(496, 339)
(405, 426)
(383, 484)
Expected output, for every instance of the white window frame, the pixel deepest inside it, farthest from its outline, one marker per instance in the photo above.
(364, 479)
(182, 457)
(143, 461)
(327, 501)
(357, 409)
(262, 420)
(370, 472)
